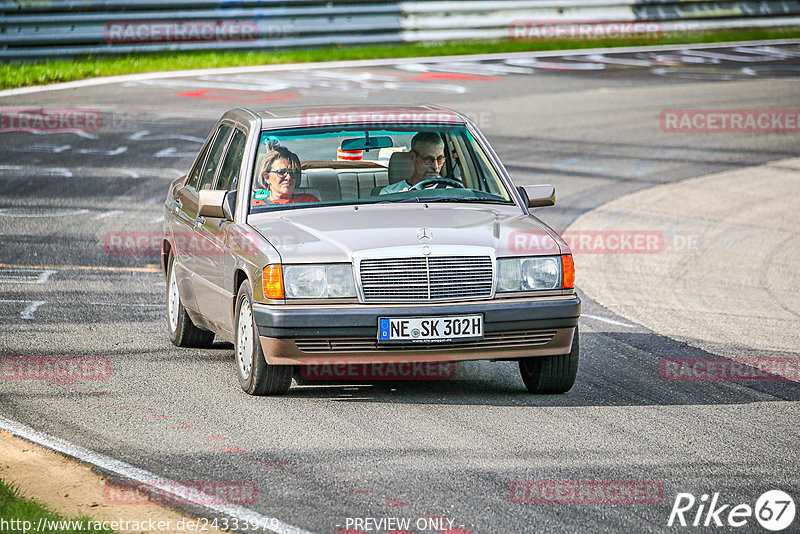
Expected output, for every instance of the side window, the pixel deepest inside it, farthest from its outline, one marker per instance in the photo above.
(207, 174)
(229, 174)
(194, 178)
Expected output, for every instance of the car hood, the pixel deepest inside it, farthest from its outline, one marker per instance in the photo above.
(333, 234)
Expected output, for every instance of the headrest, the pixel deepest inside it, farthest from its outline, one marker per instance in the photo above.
(400, 167)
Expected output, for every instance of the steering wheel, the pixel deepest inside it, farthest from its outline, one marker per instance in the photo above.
(434, 183)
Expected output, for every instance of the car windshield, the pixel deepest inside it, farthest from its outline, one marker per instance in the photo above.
(303, 168)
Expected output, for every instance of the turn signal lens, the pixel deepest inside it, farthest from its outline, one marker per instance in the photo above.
(272, 280)
(567, 272)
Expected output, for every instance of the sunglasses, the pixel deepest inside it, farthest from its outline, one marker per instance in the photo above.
(294, 173)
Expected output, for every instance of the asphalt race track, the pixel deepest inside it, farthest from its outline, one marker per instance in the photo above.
(453, 449)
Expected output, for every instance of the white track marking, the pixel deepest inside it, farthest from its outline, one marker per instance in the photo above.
(123, 304)
(34, 213)
(79, 133)
(29, 310)
(144, 135)
(132, 174)
(28, 171)
(25, 276)
(600, 58)
(106, 214)
(172, 152)
(116, 152)
(143, 476)
(43, 148)
(607, 320)
(750, 58)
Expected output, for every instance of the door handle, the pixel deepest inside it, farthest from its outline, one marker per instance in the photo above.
(200, 220)
(176, 204)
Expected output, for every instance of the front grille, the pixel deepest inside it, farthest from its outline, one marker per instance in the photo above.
(498, 340)
(417, 279)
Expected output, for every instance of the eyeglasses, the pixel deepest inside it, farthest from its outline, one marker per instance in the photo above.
(428, 160)
(294, 173)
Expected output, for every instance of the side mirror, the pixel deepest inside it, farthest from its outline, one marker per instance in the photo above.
(229, 205)
(538, 196)
(210, 203)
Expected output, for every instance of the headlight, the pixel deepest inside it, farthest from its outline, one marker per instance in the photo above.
(529, 274)
(319, 281)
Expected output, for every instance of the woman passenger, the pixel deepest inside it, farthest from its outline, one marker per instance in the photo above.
(278, 176)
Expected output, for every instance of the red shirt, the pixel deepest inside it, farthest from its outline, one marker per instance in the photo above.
(300, 197)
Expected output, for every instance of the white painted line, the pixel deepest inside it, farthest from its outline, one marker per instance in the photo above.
(45, 275)
(106, 214)
(106, 80)
(43, 148)
(142, 476)
(124, 304)
(26, 276)
(116, 152)
(145, 135)
(607, 320)
(79, 133)
(172, 152)
(29, 310)
(32, 213)
(18, 169)
(600, 58)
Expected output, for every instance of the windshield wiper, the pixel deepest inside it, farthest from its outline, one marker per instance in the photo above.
(457, 199)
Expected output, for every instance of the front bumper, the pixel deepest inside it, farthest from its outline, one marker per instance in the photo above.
(513, 328)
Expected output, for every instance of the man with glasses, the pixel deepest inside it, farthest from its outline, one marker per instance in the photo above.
(279, 174)
(426, 158)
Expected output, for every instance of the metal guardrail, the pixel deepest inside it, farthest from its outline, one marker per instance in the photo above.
(51, 28)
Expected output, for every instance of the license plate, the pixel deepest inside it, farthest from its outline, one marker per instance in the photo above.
(439, 329)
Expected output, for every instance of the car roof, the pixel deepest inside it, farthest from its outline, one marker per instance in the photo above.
(345, 115)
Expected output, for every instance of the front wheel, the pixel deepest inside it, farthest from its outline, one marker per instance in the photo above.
(551, 374)
(256, 376)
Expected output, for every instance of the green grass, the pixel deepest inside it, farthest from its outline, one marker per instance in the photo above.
(38, 73)
(15, 510)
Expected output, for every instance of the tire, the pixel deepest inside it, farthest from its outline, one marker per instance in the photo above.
(182, 331)
(551, 374)
(256, 376)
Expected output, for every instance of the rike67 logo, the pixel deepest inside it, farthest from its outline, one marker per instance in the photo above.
(774, 510)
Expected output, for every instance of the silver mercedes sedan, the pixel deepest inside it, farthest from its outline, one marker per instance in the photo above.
(371, 243)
